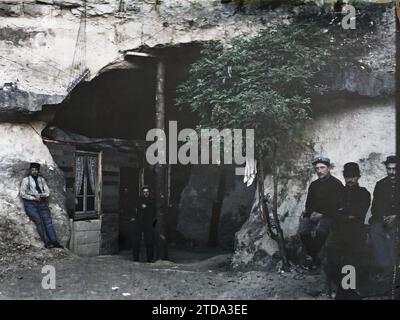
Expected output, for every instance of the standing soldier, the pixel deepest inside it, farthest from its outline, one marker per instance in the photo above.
(322, 202)
(346, 244)
(34, 193)
(384, 220)
(144, 224)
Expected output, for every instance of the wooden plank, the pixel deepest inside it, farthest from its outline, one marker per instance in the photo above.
(110, 166)
(111, 183)
(99, 196)
(110, 174)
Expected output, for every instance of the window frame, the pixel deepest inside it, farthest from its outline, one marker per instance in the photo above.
(95, 213)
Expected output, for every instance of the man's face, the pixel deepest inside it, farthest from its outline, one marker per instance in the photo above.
(322, 170)
(34, 172)
(391, 170)
(146, 193)
(351, 181)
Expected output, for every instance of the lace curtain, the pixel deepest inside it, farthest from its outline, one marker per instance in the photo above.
(79, 171)
(92, 172)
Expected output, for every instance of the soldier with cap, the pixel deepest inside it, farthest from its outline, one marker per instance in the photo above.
(384, 220)
(34, 193)
(323, 200)
(144, 223)
(346, 243)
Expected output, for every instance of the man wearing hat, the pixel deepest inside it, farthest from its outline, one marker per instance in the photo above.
(35, 192)
(144, 224)
(323, 200)
(384, 220)
(346, 243)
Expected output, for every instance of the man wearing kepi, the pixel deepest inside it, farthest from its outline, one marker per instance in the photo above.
(35, 192)
(323, 200)
(144, 224)
(346, 243)
(384, 220)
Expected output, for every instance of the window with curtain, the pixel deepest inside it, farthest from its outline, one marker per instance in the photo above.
(86, 176)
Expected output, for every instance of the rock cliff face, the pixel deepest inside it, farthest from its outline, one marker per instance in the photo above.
(38, 38)
(37, 44)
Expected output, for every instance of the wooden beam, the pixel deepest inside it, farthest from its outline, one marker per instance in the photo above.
(216, 209)
(139, 54)
(160, 168)
(100, 183)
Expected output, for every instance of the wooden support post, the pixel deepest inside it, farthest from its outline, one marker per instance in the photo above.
(168, 185)
(160, 168)
(216, 209)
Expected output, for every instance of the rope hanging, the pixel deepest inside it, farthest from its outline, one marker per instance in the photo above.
(79, 71)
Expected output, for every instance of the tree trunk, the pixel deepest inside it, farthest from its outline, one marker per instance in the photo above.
(281, 239)
(160, 168)
(262, 205)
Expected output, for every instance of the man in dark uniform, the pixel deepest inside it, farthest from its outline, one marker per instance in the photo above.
(144, 224)
(384, 220)
(323, 200)
(346, 244)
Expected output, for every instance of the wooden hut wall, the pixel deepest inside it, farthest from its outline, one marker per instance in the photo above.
(64, 157)
(112, 161)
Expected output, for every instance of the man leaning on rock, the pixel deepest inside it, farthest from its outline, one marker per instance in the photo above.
(34, 193)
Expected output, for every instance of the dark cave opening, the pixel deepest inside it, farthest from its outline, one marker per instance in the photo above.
(120, 103)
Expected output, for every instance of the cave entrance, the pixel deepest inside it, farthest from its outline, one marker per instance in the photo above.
(107, 120)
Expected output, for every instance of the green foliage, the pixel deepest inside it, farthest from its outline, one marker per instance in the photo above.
(264, 83)
(267, 82)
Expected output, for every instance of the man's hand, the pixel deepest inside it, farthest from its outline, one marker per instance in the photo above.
(38, 198)
(315, 216)
(389, 221)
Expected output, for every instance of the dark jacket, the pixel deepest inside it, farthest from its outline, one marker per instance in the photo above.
(346, 244)
(386, 200)
(324, 196)
(355, 201)
(145, 212)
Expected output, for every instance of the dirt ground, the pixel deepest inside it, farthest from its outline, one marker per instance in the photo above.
(192, 275)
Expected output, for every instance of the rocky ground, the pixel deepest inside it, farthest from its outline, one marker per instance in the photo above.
(16, 257)
(193, 275)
